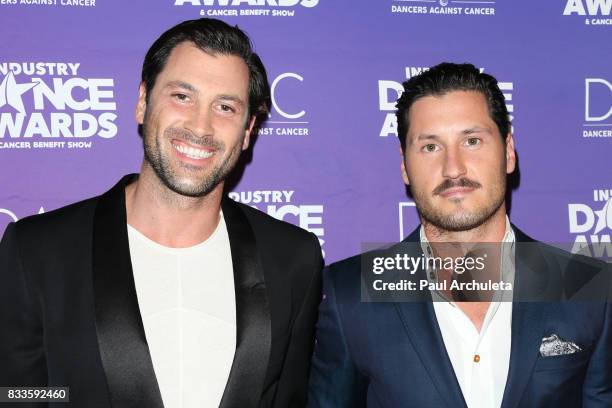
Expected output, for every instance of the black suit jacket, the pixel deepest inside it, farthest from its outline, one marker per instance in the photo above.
(391, 354)
(69, 313)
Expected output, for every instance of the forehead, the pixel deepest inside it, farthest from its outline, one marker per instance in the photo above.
(453, 107)
(205, 71)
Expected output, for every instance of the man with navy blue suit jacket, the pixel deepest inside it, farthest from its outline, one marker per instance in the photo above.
(548, 345)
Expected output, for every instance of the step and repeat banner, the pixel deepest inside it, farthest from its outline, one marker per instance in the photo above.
(327, 159)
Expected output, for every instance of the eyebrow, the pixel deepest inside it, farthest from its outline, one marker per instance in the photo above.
(476, 129)
(232, 98)
(182, 85)
(425, 136)
(468, 131)
(191, 88)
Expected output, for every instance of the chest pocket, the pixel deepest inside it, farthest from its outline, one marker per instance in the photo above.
(565, 362)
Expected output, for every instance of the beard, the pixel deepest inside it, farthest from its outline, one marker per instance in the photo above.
(167, 172)
(462, 220)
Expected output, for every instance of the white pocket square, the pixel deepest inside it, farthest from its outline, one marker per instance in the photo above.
(556, 346)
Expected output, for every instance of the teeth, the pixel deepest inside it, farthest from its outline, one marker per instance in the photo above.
(192, 152)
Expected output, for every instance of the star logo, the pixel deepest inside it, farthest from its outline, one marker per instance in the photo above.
(604, 216)
(11, 91)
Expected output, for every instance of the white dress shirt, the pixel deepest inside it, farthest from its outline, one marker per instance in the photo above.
(480, 359)
(187, 303)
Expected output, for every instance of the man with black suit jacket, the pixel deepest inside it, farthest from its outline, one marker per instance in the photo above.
(545, 343)
(162, 291)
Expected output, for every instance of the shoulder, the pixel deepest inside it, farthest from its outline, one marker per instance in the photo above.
(57, 223)
(291, 257)
(283, 248)
(348, 267)
(353, 283)
(576, 275)
(561, 257)
(267, 228)
(353, 265)
(50, 241)
(345, 277)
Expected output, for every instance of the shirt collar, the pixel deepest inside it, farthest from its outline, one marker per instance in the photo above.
(507, 263)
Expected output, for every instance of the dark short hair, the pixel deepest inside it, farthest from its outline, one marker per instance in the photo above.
(447, 77)
(214, 37)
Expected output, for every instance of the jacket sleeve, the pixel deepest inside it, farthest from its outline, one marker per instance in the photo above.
(597, 389)
(296, 366)
(335, 382)
(22, 356)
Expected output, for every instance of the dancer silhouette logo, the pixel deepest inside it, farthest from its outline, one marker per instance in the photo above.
(50, 105)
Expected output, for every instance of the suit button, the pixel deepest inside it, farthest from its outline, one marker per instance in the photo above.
(476, 358)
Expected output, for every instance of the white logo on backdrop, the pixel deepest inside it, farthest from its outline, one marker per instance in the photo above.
(281, 205)
(7, 216)
(597, 114)
(445, 7)
(590, 8)
(47, 3)
(11, 91)
(274, 99)
(48, 105)
(254, 8)
(390, 91)
(282, 120)
(592, 224)
(10, 214)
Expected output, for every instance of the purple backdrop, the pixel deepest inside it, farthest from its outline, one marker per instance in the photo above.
(328, 158)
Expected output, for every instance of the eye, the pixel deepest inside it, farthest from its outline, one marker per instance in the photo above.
(181, 97)
(226, 108)
(473, 141)
(430, 147)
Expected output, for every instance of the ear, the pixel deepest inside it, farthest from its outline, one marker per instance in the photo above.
(141, 105)
(510, 154)
(403, 168)
(247, 133)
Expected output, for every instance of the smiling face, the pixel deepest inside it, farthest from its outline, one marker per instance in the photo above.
(455, 161)
(195, 120)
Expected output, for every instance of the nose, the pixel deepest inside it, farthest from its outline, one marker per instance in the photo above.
(454, 165)
(200, 122)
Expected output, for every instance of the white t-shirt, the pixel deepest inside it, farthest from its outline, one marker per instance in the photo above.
(187, 303)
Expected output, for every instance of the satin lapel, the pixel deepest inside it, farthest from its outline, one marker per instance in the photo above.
(123, 347)
(419, 320)
(253, 340)
(527, 320)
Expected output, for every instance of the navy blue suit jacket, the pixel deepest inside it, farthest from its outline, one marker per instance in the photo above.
(393, 355)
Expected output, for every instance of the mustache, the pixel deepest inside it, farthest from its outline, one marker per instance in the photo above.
(462, 182)
(188, 136)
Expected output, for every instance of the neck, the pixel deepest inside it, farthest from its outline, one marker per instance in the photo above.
(492, 230)
(169, 218)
